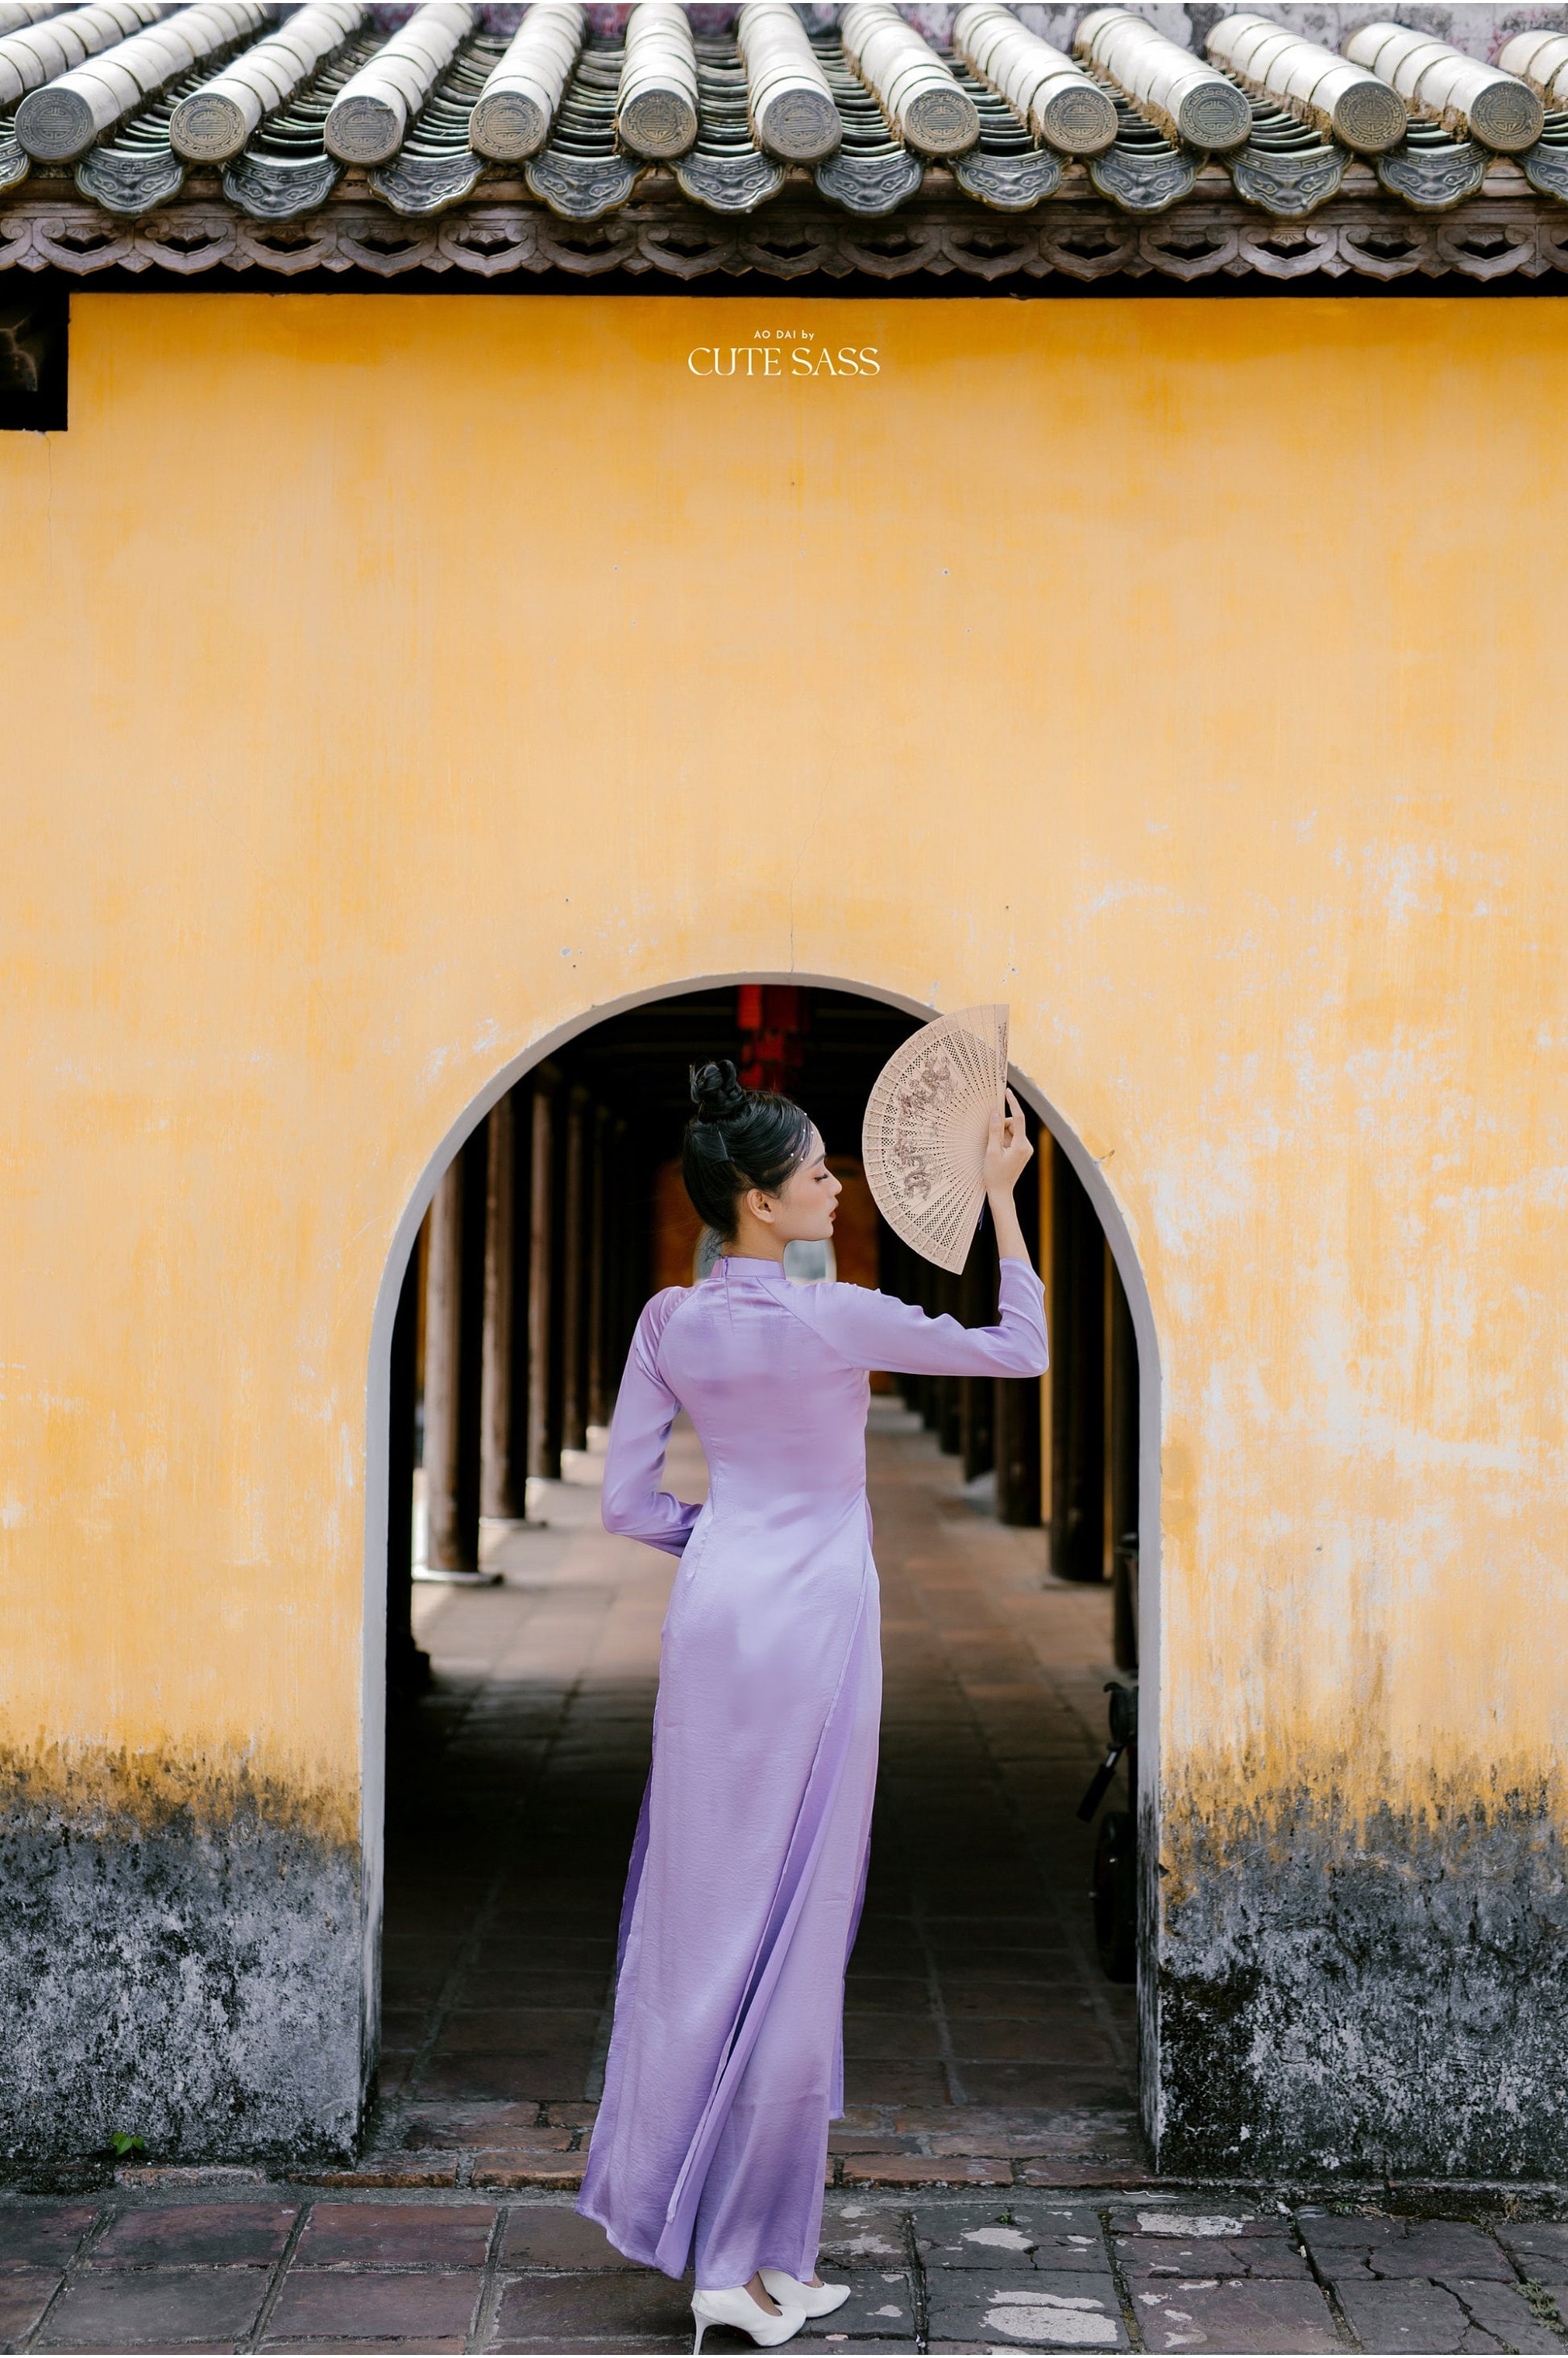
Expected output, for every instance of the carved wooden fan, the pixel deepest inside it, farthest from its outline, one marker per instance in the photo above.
(927, 1122)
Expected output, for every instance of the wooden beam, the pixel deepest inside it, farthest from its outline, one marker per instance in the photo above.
(214, 123)
(1541, 59)
(33, 51)
(792, 110)
(1063, 106)
(518, 102)
(370, 116)
(925, 106)
(1443, 85)
(656, 106)
(60, 122)
(1188, 99)
(1344, 101)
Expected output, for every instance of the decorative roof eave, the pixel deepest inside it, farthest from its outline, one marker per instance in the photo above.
(405, 116)
(1505, 229)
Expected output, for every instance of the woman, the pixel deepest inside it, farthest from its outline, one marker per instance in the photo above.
(726, 2064)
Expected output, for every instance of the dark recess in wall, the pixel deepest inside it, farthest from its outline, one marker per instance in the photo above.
(35, 345)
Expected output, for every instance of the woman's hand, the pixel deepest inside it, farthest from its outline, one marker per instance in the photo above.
(1007, 1151)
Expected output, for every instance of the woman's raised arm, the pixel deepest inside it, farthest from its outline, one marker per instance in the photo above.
(874, 1330)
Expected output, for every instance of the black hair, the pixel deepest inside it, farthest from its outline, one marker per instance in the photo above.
(738, 1138)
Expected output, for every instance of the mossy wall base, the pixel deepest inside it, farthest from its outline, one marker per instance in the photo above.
(188, 1974)
(1377, 1998)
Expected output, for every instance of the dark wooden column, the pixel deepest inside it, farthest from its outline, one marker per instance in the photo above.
(544, 1323)
(522, 1102)
(900, 1277)
(1017, 1398)
(615, 1293)
(1046, 1220)
(629, 1175)
(408, 1666)
(932, 1395)
(977, 1394)
(599, 1270)
(443, 1275)
(1123, 1482)
(454, 1358)
(929, 1293)
(1077, 1393)
(471, 1373)
(640, 1246)
(501, 1488)
(1018, 1473)
(574, 1257)
(949, 1398)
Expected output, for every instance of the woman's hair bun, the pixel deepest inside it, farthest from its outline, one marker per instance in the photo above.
(716, 1093)
(738, 1138)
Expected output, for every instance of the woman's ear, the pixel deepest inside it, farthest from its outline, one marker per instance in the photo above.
(761, 1206)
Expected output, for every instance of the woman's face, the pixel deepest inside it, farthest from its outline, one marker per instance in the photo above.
(802, 1212)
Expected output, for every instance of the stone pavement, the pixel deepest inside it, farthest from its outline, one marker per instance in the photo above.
(295, 2268)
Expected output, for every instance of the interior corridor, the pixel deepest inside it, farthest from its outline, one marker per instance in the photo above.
(983, 2039)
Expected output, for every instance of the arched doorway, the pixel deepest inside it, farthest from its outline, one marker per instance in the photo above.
(513, 1777)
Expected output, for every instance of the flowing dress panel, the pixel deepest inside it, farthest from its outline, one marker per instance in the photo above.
(725, 2062)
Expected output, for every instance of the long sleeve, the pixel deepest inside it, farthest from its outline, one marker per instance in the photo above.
(645, 1409)
(874, 1330)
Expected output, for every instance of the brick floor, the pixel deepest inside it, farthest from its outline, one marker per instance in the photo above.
(939, 2270)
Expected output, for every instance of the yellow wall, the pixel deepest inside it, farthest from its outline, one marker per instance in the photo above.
(393, 677)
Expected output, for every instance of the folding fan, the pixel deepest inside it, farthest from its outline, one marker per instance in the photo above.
(927, 1125)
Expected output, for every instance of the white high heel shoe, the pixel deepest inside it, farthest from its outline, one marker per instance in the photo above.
(748, 2316)
(816, 2300)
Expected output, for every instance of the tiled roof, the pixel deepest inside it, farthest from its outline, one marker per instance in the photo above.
(224, 132)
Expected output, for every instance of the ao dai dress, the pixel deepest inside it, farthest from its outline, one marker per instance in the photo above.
(726, 2062)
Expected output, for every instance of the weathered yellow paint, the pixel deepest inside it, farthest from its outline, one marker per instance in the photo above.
(392, 678)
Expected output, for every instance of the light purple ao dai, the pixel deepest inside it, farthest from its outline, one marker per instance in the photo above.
(725, 2064)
